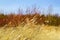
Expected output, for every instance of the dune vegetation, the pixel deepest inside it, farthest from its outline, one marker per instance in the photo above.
(30, 26)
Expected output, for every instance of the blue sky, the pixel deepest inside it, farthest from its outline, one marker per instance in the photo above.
(13, 5)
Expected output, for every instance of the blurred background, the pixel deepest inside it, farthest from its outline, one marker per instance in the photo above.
(8, 6)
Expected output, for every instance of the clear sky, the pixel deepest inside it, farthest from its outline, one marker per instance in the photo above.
(13, 5)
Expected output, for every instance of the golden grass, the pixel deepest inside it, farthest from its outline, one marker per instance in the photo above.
(30, 31)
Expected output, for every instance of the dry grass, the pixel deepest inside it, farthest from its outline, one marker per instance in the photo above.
(25, 27)
(34, 26)
(30, 31)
